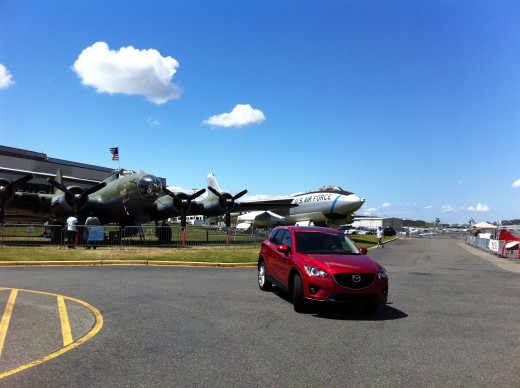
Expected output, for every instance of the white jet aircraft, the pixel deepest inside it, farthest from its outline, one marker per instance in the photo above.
(325, 205)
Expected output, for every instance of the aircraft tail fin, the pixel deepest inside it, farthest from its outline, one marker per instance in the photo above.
(58, 179)
(212, 182)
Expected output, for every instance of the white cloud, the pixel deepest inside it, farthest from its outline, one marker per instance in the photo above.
(516, 184)
(152, 122)
(448, 209)
(240, 116)
(385, 205)
(480, 208)
(6, 78)
(369, 212)
(128, 71)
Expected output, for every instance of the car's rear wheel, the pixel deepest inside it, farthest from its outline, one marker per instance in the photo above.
(297, 295)
(263, 283)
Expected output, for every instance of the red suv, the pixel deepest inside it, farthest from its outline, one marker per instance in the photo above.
(321, 265)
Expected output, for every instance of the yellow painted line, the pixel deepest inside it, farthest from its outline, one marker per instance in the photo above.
(6, 318)
(65, 324)
(95, 329)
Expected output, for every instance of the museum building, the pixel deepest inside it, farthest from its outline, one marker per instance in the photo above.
(16, 163)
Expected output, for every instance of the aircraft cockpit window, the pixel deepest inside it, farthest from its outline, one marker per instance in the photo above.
(333, 188)
(149, 187)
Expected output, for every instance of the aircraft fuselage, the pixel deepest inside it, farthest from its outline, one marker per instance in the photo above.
(321, 207)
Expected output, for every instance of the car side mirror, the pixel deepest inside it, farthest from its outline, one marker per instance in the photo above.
(363, 251)
(283, 249)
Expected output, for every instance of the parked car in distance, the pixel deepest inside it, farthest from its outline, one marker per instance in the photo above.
(316, 264)
(389, 231)
(357, 230)
(346, 229)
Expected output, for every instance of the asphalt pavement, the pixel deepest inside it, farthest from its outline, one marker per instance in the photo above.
(453, 319)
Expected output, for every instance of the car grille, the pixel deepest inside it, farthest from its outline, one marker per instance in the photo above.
(355, 281)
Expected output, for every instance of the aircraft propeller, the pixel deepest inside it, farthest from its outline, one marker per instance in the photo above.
(227, 201)
(78, 199)
(183, 203)
(7, 191)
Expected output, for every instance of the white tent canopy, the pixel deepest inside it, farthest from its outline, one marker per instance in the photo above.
(484, 225)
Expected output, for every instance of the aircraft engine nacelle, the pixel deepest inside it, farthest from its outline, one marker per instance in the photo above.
(218, 207)
(181, 200)
(6, 190)
(63, 203)
(76, 191)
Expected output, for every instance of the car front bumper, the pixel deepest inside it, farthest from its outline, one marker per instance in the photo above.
(328, 291)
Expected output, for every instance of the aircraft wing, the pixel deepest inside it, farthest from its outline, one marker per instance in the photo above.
(265, 204)
(27, 207)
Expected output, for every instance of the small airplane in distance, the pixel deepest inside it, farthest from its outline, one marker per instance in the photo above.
(327, 204)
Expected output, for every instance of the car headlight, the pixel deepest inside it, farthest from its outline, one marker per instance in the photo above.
(313, 271)
(383, 273)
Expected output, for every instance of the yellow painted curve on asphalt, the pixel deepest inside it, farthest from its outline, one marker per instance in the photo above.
(4, 324)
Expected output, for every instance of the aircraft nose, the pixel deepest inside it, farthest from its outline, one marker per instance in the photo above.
(351, 203)
(149, 187)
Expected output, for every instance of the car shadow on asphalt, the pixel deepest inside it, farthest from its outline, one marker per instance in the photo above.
(385, 312)
(347, 312)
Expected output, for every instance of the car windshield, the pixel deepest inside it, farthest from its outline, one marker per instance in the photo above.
(324, 243)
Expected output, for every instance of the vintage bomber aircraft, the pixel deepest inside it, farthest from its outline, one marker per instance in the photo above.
(126, 198)
(120, 198)
(214, 203)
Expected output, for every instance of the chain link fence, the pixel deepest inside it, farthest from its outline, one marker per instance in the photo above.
(128, 237)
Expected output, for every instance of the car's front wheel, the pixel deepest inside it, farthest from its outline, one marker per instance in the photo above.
(297, 295)
(263, 283)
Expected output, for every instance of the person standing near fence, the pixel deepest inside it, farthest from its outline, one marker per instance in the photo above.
(92, 220)
(72, 229)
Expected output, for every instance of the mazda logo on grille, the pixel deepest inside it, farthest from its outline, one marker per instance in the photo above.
(356, 278)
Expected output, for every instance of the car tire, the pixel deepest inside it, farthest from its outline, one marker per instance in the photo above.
(263, 283)
(297, 295)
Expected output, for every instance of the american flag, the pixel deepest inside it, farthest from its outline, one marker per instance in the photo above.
(115, 153)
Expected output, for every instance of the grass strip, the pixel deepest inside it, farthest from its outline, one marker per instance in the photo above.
(203, 254)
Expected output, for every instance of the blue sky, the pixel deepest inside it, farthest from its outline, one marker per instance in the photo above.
(412, 105)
